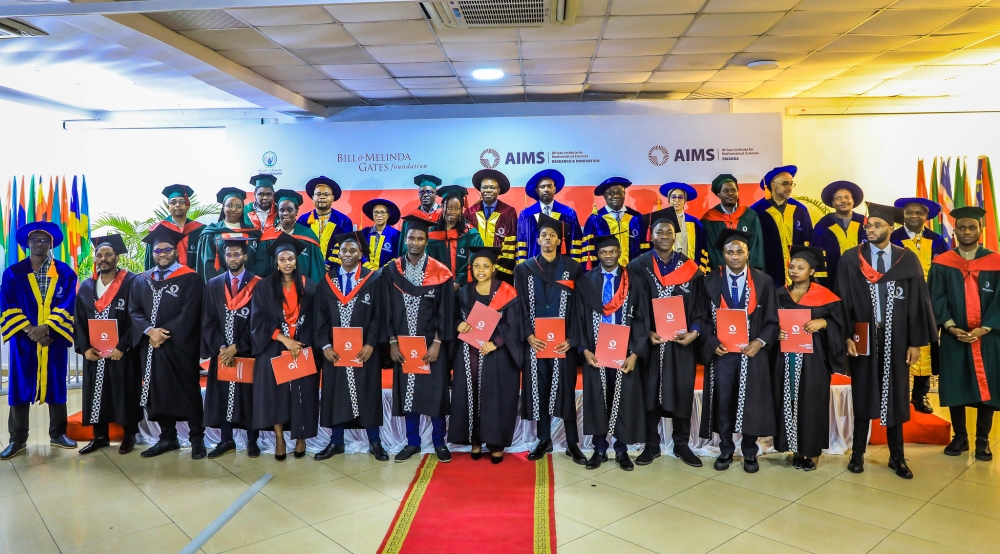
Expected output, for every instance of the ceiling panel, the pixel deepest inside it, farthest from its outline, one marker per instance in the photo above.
(681, 76)
(988, 43)
(309, 36)
(733, 24)
(558, 49)
(313, 85)
(438, 92)
(808, 73)
(650, 26)
(355, 71)
(654, 7)
(334, 56)
(380, 94)
(614, 87)
(867, 43)
(430, 82)
(834, 59)
(467, 51)
(336, 98)
(908, 22)
(509, 67)
(711, 45)
(382, 11)
(251, 58)
(441, 69)
(585, 28)
(831, 5)
(505, 81)
(556, 66)
(757, 93)
(620, 77)
(897, 57)
(874, 71)
(370, 84)
(695, 61)
(642, 63)
(270, 17)
(289, 72)
(496, 91)
(937, 72)
(813, 23)
(191, 20)
(743, 74)
(784, 59)
(407, 53)
(976, 20)
(672, 86)
(945, 42)
(450, 34)
(590, 8)
(970, 57)
(730, 6)
(635, 47)
(558, 79)
(894, 88)
(786, 86)
(391, 32)
(728, 86)
(846, 86)
(231, 39)
(913, 4)
(554, 89)
(769, 43)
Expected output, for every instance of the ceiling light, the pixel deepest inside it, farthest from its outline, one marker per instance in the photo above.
(761, 65)
(487, 74)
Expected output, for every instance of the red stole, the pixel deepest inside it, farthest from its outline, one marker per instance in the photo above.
(241, 299)
(272, 214)
(272, 233)
(867, 270)
(729, 219)
(450, 238)
(290, 307)
(751, 290)
(183, 243)
(816, 296)
(103, 302)
(182, 270)
(504, 295)
(434, 274)
(344, 299)
(619, 297)
(682, 274)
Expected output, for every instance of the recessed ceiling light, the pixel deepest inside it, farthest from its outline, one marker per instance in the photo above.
(487, 73)
(762, 65)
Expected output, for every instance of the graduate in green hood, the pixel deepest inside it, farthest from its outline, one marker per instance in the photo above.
(233, 221)
(310, 261)
(451, 240)
(178, 204)
(728, 214)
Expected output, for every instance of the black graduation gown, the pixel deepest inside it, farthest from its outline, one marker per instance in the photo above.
(434, 302)
(755, 409)
(803, 411)
(626, 421)
(110, 388)
(352, 396)
(486, 389)
(669, 370)
(539, 373)
(226, 401)
(910, 323)
(295, 404)
(171, 374)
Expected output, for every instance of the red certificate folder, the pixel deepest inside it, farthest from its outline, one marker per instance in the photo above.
(414, 349)
(612, 345)
(731, 329)
(793, 322)
(861, 338)
(669, 317)
(347, 343)
(286, 369)
(552, 330)
(241, 371)
(104, 335)
(483, 320)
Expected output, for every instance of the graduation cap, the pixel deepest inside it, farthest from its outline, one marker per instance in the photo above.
(178, 190)
(604, 241)
(611, 182)
(453, 190)
(416, 222)
(729, 235)
(933, 208)
(968, 212)
(424, 180)
(770, 175)
(689, 192)
(285, 243)
(889, 214)
(489, 252)
(812, 255)
(230, 192)
(46, 227)
(353, 236)
(162, 233)
(263, 180)
(500, 178)
(237, 239)
(393, 210)
(114, 241)
(668, 215)
(552, 223)
(323, 180)
(531, 188)
(721, 180)
(831, 190)
(286, 194)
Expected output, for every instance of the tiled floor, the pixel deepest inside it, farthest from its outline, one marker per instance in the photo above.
(55, 500)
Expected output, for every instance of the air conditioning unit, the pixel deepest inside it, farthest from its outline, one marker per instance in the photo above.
(10, 28)
(469, 14)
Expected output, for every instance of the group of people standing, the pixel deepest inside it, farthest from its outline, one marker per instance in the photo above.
(265, 283)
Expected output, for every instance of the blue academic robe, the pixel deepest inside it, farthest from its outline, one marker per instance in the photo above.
(928, 238)
(835, 240)
(632, 235)
(780, 231)
(337, 224)
(382, 249)
(37, 373)
(527, 231)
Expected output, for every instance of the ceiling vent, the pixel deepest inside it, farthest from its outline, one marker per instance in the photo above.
(10, 28)
(467, 14)
(713, 95)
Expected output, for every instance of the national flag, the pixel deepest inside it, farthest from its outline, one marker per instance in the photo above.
(85, 222)
(64, 218)
(958, 198)
(10, 256)
(945, 199)
(74, 220)
(22, 220)
(921, 181)
(31, 203)
(933, 188)
(965, 182)
(60, 251)
(990, 237)
(40, 214)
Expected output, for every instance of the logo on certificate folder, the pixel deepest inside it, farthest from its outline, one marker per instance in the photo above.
(104, 336)
(613, 345)
(732, 329)
(670, 316)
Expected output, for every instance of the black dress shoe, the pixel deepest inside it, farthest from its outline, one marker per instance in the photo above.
(221, 449)
(647, 456)
(750, 464)
(330, 451)
(957, 446)
(684, 452)
(983, 452)
(375, 449)
(574, 452)
(127, 445)
(496, 459)
(13, 449)
(723, 461)
(797, 460)
(922, 405)
(596, 459)
(624, 461)
(198, 450)
(253, 450)
(476, 455)
(63, 442)
(407, 452)
(95, 445)
(808, 464)
(857, 463)
(541, 449)
(280, 457)
(162, 447)
(899, 466)
(443, 454)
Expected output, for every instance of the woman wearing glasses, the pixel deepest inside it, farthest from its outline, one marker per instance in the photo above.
(210, 261)
(381, 238)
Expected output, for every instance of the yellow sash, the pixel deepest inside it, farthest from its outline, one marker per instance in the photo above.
(922, 247)
(375, 244)
(487, 228)
(786, 224)
(622, 232)
(42, 352)
(848, 239)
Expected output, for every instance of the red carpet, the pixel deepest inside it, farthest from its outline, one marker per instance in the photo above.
(921, 429)
(76, 430)
(475, 506)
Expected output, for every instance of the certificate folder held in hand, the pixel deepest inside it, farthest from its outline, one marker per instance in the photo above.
(669, 317)
(286, 369)
(240, 372)
(612, 345)
(861, 338)
(414, 349)
(731, 329)
(103, 335)
(347, 343)
(793, 322)
(551, 330)
(483, 320)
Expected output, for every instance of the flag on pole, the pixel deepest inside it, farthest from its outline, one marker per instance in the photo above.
(22, 219)
(74, 220)
(990, 237)
(64, 218)
(60, 251)
(933, 188)
(945, 198)
(11, 254)
(921, 181)
(40, 201)
(85, 222)
(958, 198)
(31, 203)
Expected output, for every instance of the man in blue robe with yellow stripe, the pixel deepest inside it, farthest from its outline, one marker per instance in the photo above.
(323, 219)
(382, 239)
(841, 230)
(784, 222)
(37, 300)
(617, 219)
(543, 187)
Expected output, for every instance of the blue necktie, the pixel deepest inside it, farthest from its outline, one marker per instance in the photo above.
(609, 291)
(488, 210)
(735, 291)
(347, 284)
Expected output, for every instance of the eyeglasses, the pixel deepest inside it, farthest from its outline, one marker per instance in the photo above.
(875, 226)
(39, 240)
(160, 251)
(786, 184)
(381, 213)
(673, 197)
(231, 206)
(174, 202)
(236, 256)
(425, 192)
(322, 195)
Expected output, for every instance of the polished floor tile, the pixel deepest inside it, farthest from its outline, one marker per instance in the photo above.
(392, 480)
(21, 528)
(295, 542)
(748, 543)
(104, 522)
(78, 495)
(725, 503)
(568, 530)
(655, 481)
(350, 464)
(209, 497)
(565, 478)
(329, 500)
(898, 543)
(361, 531)
(183, 471)
(819, 532)
(600, 542)
(971, 497)
(662, 528)
(565, 463)
(954, 528)
(596, 504)
(923, 486)
(10, 482)
(165, 539)
(929, 458)
(987, 473)
(260, 519)
(865, 504)
(72, 470)
(291, 475)
(706, 470)
(775, 478)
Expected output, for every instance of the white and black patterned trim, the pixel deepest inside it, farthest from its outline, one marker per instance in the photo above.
(887, 350)
(98, 392)
(148, 370)
(790, 400)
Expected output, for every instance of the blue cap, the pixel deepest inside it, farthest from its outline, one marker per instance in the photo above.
(830, 190)
(323, 180)
(44, 226)
(393, 210)
(610, 182)
(933, 208)
(532, 185)
(689, 191)
(766, 183)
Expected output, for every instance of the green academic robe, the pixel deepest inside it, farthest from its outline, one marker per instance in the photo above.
(211, 257)
(742, 219)
(310, 262)
(453, 250)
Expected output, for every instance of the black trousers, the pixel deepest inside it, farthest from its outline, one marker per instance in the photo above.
(921, 387)
(101, 430)
(681, 433)
(984, 420)
(544, 427)
(226, 429)
(727, 391)
(893, 434)
(168, 430)
(17, 422)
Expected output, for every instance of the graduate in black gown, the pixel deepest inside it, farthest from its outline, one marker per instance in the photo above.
(882, 285)
(165, 306)
(225, 335)
(802, 381)
(738, 397)
(545, 286)
(110, 384)
(669, 370)
(612, 396)
(351, 295)
(487, 379)
(281, 320)
(421, 297)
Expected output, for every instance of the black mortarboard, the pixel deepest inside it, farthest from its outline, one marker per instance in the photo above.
(889, 214)
(500, 178)
(178, 190)
(452, 190)
(667, 214)
(605, 241)
(720, 180)
(354, 236)
(162, 233)
(263, 180)
(323, 180)
(230, 191)
(286, 194)
(490, 252)
(812, 255)
(729, 235)
(237, 239)
(968, 212)
(393, 210)
(830, 191)
(416, 223)
(552, 223)
(114, 241)
(285, 242)
(611, 182)
(424, 180)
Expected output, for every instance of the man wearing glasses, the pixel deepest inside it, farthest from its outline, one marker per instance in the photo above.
(617, 219)
(784, 221)
(178, 204)
(495, 220)
(323, 219)
(428, 209)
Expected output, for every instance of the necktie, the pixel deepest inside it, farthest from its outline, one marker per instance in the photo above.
(882, 288)
(161, 274)
(735, 291)
(609, 292)
(236, 285)
(488, 210)
(547, 210)
(347, 284)
(618, 218)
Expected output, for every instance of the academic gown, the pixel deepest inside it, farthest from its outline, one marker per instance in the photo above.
(743, 219)
(37, 373)
(802, 381)
(755, 405)
(187, 248)
(964, 292)
(226, 320)
(527, 231)
(909, 322)
(433, 217)
(170, 373)
(697, 246)
(421, 311)
(631, 233)
(351, 395)
(487, 388)
(295, 404)
(541, 296)
(453, 250)
(927, 246)
(625, 419)
(779, 231)
(500, 230)
(337, 223)
(211, 249)
(669, 370)
(835, 240)
(107, 379)
(382, 248)
(251, 215)
(309, 262)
